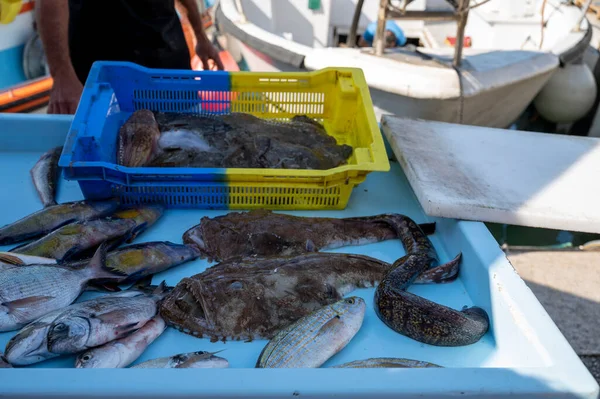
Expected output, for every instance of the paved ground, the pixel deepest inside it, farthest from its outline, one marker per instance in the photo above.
(567, 285)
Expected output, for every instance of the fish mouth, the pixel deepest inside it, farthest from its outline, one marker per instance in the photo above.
(196, 241)
(187, 309)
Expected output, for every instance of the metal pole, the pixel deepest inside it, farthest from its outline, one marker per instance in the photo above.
(380, 34)
(584, 11)
(351, 41)
(460, 31)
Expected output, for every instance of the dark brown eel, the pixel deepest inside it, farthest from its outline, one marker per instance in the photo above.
(415, 317)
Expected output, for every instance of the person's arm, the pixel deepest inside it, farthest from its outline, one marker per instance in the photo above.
(52, 20)
(204, 47)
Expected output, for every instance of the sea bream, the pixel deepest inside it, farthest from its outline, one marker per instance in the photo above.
(79, 238)
(80, 328)
(193, 360)
(313, 339)
(52, 217)
(122, 352)
(30, 344)
(386, 363)
(29, 292)
(254, 298)
(44, 175)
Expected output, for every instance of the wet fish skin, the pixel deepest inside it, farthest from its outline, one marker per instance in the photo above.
(44, 175)
(193, 360)
(254, 298)
(265, 233)
(67, 242)
(52, 217)
(4, 364)
(314, 339)
(29, 292)
(30, 344)
(138, 139)
(122, 352)
(76, 239)
(416, 317)
(387, 362)
(137, 261)
(79, 329)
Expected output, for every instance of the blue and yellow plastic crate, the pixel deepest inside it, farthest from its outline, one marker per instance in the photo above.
(337, 97)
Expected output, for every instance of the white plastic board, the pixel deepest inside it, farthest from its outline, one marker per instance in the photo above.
(498, 175)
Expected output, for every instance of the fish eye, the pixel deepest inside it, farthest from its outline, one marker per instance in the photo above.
(201, 353)
(86, 358)
(350, 301)
(60, 327)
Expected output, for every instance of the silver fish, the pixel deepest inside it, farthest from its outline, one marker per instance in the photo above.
(45, 175)
(75, 239)
(30, 344)
(194, 360)
(80, 328)
(387, 362)
(51, 218)
(313, 339)
(122, 352)
(29, 292)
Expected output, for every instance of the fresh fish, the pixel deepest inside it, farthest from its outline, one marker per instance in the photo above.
(242, 140)
(141, 260)
(76, 239)
(264, 233)
(122, 352)
(194, 360)
(312, 340)
(48, 219)
(387, 362)
(138, 139)
(254, 298)
(29, 292)
(80, 328)
(4, 364)
(30, 344)
(44, 175)
(416, 317)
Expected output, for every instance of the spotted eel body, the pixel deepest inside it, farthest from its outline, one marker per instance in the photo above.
(416, 317)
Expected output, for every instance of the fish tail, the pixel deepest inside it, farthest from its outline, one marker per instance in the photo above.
(97, 266)
(445, 273)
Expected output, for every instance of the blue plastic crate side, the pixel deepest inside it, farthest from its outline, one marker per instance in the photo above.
(164, 89)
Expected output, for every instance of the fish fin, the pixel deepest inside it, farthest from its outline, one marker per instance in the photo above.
(445, 273)
(11, 259)
(25, 302)
(127, 328)
(70, 253)
(162, 288)
(310, 246)
(142, 284)
(112, 317)
(97, 265)
(103, 287)
(428, 228)
(331, 324)
(50, 203)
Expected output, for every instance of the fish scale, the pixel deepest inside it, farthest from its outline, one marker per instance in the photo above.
(18, 283)
(313, 339)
